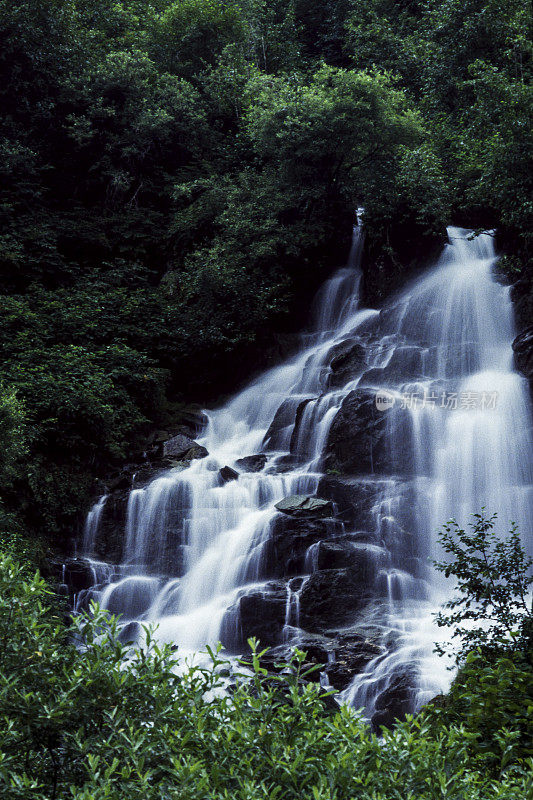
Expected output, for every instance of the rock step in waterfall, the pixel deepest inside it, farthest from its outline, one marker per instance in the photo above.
(307, 510)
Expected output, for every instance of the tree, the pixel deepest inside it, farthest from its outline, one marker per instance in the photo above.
(493, 576)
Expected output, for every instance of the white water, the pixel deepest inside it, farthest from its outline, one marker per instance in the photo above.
(194, 544)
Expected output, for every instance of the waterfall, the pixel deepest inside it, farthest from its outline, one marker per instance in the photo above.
(92, 523)
(454, 435)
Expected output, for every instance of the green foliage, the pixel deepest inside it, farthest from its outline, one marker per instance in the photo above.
(12, 431)
(101, 723)
(191, 34)
(493, 576)
(493, 698)
(490, 614)
(178, 177)
(468, 64)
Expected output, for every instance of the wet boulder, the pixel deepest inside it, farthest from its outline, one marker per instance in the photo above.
(355, 498)
(397, 700)
(290, 539)
(362, 558)
(300, 505)
(183, 447)
(348, 359)
(298, 445)
(253, 463)
(262, 614)
(405, 364)
(192, 419)
(279, 433)
(332, 598)
(366, 440)
(228, 474)
(78, 574)
(132, 596)
(130, 633)
(318, 650)
(351, 656)
(523, 352)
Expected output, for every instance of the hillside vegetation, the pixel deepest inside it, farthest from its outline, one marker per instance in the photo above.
(178, 177)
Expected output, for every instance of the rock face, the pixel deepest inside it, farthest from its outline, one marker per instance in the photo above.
(358, 443)
(182, 447)
(332, 598)
(290, 540)
(78, 574)
(278, 435)
(228, 474)
(300, 505)
(262, 614)
(339, 657)
(522, 297)
(523, 350)
(396, 701)
(405, 364)
(348, 359)
(251, 463)
(296, 446)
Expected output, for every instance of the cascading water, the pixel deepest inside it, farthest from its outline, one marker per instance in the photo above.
(454, 435)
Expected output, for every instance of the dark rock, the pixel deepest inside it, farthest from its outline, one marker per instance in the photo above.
(253, 463)
(360, 440)
(110, 540)
(133, 596)
(342, 552)
(522, 297)
(147, 473)
(332, 598)
(290, 539)
(122, 481)
(296, 446)
(348, 359)
(130, 633)
(351, 658)
(282, 464)
(262, 614)
(193, 419)
(228, 474)
(355, 497)
(182, 447)
(339, 657)
(318, 650)
(187, 420)
(395, 701)
(78, 574)
(523, 351)
(301, 505)
(279, 433)
(405, 364)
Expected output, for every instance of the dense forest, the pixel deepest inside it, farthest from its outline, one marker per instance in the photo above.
(178, 178)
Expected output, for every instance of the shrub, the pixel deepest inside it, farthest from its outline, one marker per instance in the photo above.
(102, 723)
(492, 695)
(493, 576)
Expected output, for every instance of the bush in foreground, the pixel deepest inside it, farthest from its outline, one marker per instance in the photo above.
(491, 620)
(97, 725)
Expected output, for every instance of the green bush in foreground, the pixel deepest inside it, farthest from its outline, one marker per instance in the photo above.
(90, 727)
(491, 617)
